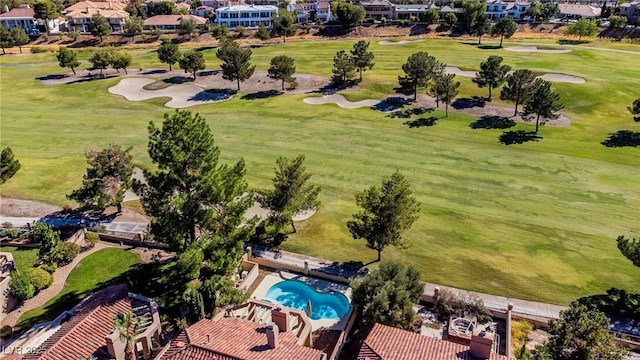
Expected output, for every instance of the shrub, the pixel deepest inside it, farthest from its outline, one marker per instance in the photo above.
(74, 35)
(37, 49)
(39, 278)
(20, 287)
(446, 304)
(67, 252)
(50, 268)
(7, 225)
(91, 238)
(67, 209)
(241, 31)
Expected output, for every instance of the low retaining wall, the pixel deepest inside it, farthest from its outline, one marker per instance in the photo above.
(253, 270)
(131, 242)
(343, 336)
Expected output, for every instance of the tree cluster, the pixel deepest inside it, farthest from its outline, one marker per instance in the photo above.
(102, 59)
(348, 14)
(14, 37)
(345, 64)
(283, 24)
(420, 70)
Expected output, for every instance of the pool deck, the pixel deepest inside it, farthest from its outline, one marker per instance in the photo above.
(316, 284)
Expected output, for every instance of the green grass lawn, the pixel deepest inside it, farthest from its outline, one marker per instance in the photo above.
(534, 221)
(91, 274)
(23, 258)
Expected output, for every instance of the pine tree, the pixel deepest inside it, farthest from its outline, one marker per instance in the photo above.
(519, 85)
(492, 73)
(543, 102)
(9, 165)
(282, 68)
(168, 53)
(505, 27)
(283, 24)
(192, 61)
(236, 63)
(445, 89)
(343, 68)
(362, 59)
(100, 26)
(19, 37)
(67, 58)
(419, 69)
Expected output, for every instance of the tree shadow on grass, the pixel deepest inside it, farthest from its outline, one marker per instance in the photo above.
(209, 95)
(623, 138)
(489, 47)
(430, 121)
(407, 113)
(262, 95)
(51, 311)
(492, 122)
(52, 77)
(469, 102)
(154, 72)
(178, 79)
(209, 72)
(518, 137)
(572, 42)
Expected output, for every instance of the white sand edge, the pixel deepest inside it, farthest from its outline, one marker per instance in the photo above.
(341, 101)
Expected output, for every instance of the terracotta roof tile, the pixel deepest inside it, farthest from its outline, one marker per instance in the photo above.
(235, 339)
(85, 333)
(19, 12)
(83, 5)
(389, 343)
(172, 20)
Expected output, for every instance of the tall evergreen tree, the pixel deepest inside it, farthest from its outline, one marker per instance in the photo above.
(543, 102)
(19, 37)
(445, 89)
(101, 60)
(100, 26)
(121, 60)
(343, 68)
(108, 177)
(419, 69)
(492, 73)
(67, 58)
(505, 27)
(282, 68)
(9, 165)
(5, 38)
(291, 192)
(519, 85)
(168, 53)
(284, 24)
(630, 248)
(193, 199)
(362, 59)
(387, 211)
(236, 62)
(192, 61)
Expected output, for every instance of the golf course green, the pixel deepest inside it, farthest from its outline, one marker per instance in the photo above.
(534, 221)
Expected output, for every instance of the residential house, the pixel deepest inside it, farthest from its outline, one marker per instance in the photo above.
(79, 15)
(497, 9)
(250, 16)
(255, 330)
(183, 7)
(302, 11)
(19, 17)
(629, 9)
(260, 2)
(446, 9)
(171, 22)
(88, 330)
(323, 11)
(518, 10)
(378, 9)
(579, 11)
(204, 11)
(389, 343)
(411, 11)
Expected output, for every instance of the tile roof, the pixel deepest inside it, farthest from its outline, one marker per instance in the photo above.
(84, 334)
(389, 343)
(107, 13)
(83, 5)
(580, 10)
(19, 12)
(172, 20)
(235, 339)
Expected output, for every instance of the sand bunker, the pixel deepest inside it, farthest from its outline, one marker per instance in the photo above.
(341, 101)
(562, 78)
(182, 95)
(401, 42)
(553, 77)
(535, 49)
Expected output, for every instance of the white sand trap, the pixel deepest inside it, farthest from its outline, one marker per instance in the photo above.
(459, 72)
(340, 101)
(303, 215)
(401, 42)
(553, 77)
(535, 49)
(182, 95)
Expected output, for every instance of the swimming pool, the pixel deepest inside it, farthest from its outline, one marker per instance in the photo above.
(296, 294)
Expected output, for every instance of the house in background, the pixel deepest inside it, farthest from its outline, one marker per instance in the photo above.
(579, 11)
(323, 11)
(19, 17)
(378, 9)
(631, 10)
(302, 11)
(204, 11)
(171, 22)
(79, 15)
(409, 11)
(250, 16)
(88, 330)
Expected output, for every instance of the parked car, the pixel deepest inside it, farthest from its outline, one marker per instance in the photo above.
(34, 32)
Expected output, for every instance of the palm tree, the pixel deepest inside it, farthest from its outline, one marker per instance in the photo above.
(127, 326)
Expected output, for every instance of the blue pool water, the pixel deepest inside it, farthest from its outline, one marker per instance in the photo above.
(296, 294)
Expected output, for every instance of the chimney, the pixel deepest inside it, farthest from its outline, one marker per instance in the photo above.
(281, 318)
(115, 346)
(87, 9)
(272, 335)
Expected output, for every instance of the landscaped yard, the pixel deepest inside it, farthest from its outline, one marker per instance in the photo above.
(534, 221)
(24, 258)
(91, 274)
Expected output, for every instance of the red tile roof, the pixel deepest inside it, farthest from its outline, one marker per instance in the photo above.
(84, 335)
(19, 12)
(389, 343)
(235, 339)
